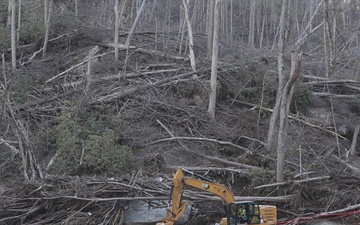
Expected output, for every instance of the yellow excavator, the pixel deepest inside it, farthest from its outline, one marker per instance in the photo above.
(242, 212)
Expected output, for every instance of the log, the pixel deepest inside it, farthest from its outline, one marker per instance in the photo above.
(143, 50)
(355, 169)
(241, 165)
(292, 182)
(285, 198)
(325, 94)
(75, 66)
(335, 82)
(124, 93)
(248, 151)
(202, 169)
(303, 219)
(349, 208)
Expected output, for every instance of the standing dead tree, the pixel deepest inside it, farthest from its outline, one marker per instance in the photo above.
(214, 63)
(116, 34)
(330, 51)
(13, 34)
(132, 30)
(190, 34)
(285, 110)
(47, 16)
(275, 114)
(285, 90)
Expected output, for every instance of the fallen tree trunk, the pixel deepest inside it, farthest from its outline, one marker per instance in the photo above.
(321, 94)
(143, 50)
(323, 216)
(355, 169)
(248, 151)
(202, 169)
(285, 198)
(349, 208)
(122, 94)
(293, 182)
(231, 163)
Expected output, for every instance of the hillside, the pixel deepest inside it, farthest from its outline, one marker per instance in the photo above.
(79, 124)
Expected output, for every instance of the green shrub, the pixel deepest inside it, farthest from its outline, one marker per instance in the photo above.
(4, 37)
(101, 153)
(32, 24)
(302, 100)
(3, 13)
(261, 177)
(31, 30)
(19, 88)
(89, 146)
(46, 141)
(68, 143)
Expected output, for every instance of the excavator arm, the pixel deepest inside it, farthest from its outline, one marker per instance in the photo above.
(179, 181)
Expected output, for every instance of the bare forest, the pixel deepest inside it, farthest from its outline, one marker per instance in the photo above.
(99, 99)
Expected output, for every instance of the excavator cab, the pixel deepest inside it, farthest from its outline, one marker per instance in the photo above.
(244, 212)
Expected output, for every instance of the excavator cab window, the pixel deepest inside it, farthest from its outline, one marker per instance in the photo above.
(244, 213)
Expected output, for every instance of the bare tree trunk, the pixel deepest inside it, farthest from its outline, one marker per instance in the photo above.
(252, 23)
(195, 12)
(167, 25)
(354, 140)
(76, 8)
(330, 36)
(122, 19)
(214, 62)
(47, 15)
(284, 113)
(13, 34)
(226, 27)
(134, 25)
(276, 110)
(152, 10)
(260, 15)
(19, 23)
(262, 32)
(312, 7)
(137, 19)
(210, 28)
(88, 74)
(8, 22)
(231, 34)
(116, 35)
(3, 68)
(181, 30)
(330, 51)
(128, 12)
(223, 18)
(273, 28)
(190, 35)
